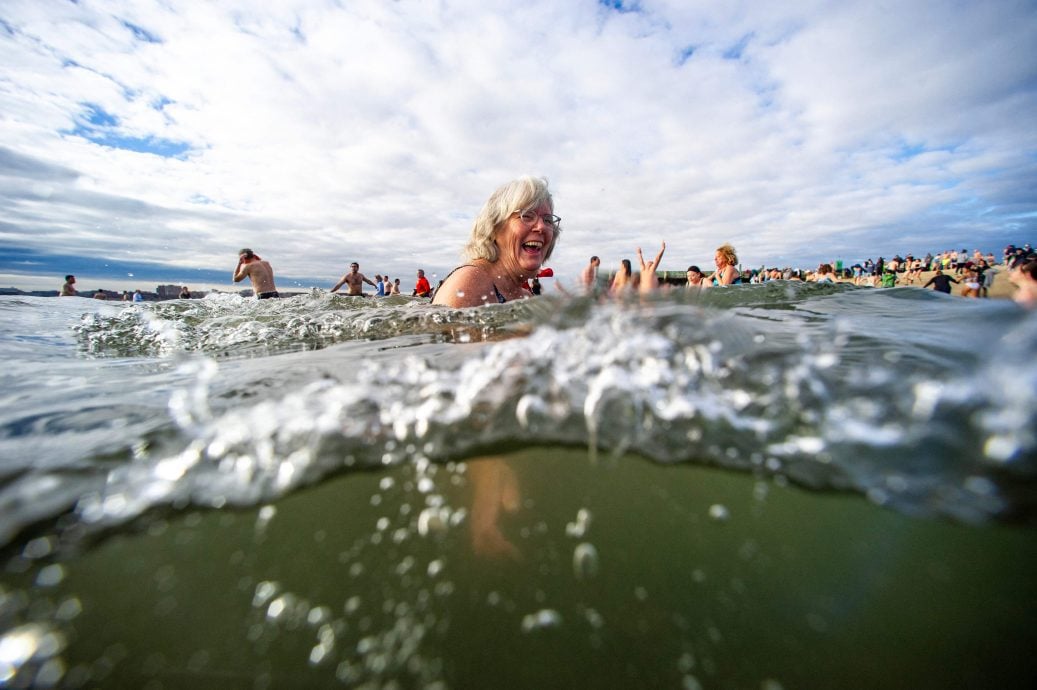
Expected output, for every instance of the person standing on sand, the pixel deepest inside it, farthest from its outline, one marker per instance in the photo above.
(988, 278)
(258, 271)
(940, 282)
(355, 280)
(69, 288)
(972, 283)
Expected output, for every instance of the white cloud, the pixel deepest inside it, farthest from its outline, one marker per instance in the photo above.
(321, 134)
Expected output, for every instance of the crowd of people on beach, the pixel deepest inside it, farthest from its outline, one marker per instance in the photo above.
(975, 272)
(506, 251)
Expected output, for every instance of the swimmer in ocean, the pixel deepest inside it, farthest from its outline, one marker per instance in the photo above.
(258, 271)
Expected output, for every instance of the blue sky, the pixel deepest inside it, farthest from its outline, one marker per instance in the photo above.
(154, 138)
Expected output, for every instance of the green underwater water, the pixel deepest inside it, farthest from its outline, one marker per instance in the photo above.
(487, 574)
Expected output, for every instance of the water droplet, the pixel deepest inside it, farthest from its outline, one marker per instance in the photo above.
(38, 548)
(51, 575)
(264, 592)
(318, 654)
(318, 615)
(433, 520)
(594, 618)
(544, 618)
(719, 513)
(276, 609)
(585, 561)
(579, 527)
(690, 682)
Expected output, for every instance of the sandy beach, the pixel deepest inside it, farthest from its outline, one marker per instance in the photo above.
(1002, 287)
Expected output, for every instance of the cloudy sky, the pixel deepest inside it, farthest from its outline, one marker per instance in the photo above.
(158, 138)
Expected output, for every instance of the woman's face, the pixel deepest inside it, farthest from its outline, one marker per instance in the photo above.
(694, 278)
(523, 246)
(720, 260)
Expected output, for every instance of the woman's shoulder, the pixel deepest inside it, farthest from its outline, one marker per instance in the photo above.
(465, 286)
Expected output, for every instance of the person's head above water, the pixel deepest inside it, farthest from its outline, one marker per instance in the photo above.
(513, 235)
(527, 199)
(726, 256)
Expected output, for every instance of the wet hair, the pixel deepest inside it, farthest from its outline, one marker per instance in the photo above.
(517, 195)
(728, 253)
(69, 277)
(595, 258)
(695, 269)
(1029, 269)
(246, 252)
(626, 266)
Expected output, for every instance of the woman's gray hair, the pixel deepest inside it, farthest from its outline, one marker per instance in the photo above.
(517, 195)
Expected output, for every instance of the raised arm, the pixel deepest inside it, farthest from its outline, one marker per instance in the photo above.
(648, 278)
(659, 257)
(241, 271)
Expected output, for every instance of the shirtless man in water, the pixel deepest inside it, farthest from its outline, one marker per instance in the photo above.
(355, 280)
(69, 288)
(258, 271)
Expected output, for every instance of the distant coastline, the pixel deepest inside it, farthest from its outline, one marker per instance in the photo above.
(161, 293)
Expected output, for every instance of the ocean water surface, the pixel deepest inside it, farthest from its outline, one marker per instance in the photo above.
(776, 486)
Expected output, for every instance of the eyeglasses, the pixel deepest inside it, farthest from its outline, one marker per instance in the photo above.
(529, 217)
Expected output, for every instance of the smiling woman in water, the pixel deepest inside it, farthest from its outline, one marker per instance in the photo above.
(513, 235)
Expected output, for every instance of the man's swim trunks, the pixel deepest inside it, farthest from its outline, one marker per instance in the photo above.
(267, 295)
